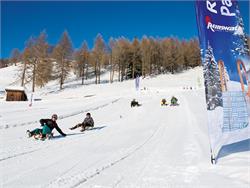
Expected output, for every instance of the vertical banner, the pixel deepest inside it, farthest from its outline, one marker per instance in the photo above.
(226, 69)
(137, 82)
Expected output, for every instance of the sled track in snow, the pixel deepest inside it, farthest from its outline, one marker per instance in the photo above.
(19, 154)
(77, 180)
(60, 117)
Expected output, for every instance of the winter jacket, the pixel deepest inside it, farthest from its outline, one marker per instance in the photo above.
(88, 121)
(51, 124)
(163, 101)
(174, 100)
(134, 103)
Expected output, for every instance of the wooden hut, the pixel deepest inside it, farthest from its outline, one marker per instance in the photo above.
(15, 94)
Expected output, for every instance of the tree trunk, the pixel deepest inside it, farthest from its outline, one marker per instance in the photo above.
(87, 69)
(83, 68)
(122, 72)
(112, 76)
(150, 68)
(62, 75)
(142, 69)
(23, 74)
(99, 74)
(34, 77)
(133, 70)
(119, 71)
(95, 73)
(111, 69)
(61, 81)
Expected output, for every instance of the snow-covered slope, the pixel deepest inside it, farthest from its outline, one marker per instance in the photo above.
(147, 146)
(8, 77)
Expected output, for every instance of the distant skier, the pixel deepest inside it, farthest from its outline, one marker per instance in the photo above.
(47, 126)
(88, 122)
(134, 103)
(174, 101)
(164, 102)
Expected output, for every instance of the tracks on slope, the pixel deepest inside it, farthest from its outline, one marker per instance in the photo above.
(62, 116)
(75, 181)
(18, 154)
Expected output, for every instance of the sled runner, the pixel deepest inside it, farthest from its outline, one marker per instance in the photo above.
(39, 136)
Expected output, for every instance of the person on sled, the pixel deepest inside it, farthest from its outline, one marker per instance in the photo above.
(164, 102)
(134, 103)
(88, 122)
(174, 101)
(47, 126)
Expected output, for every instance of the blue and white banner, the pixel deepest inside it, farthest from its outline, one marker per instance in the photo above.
(226, 68)
(137, 82)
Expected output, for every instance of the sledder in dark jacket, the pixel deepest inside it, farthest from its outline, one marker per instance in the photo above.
(134, 103)
(174, 101)
(48, 125)
(88, 122)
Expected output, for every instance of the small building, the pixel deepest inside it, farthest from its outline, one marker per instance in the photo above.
(15, 94)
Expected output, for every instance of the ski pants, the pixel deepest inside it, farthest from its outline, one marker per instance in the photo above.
(83, 125)
(45, 130)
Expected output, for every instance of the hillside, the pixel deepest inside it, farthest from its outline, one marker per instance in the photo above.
(146, 146)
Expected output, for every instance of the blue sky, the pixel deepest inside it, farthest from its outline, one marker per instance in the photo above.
(83, 20)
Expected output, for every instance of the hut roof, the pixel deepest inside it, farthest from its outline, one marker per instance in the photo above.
(14, 88)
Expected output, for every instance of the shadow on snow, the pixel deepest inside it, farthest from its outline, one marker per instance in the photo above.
(75, 134)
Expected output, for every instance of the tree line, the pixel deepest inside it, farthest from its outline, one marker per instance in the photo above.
(42, 62)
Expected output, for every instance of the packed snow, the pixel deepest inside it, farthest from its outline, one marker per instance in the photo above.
(146, 146)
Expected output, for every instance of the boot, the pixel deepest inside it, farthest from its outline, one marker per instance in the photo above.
(29, 133)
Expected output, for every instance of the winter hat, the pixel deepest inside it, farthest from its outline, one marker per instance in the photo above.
(54, 116)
